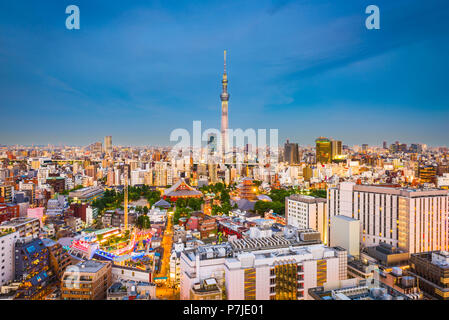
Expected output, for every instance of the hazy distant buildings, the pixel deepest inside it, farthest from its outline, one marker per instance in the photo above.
(291, 153)
(323, 150)
(328, 150)
(108, 144)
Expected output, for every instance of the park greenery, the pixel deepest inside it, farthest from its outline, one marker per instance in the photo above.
(221, 192)
(112, 199)
(278, 199)
(143, 222)
(184, 207)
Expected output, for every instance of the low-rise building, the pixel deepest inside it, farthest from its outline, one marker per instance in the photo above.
(432, 271)
(87, 280)
(131, 290)
(207, 289)
(25, 226)
(356, 289)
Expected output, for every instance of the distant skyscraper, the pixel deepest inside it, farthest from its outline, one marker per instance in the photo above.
(224, 107)
(108, 144)
(336, 147)
(323, 150)
(385, 146)
(291, 153)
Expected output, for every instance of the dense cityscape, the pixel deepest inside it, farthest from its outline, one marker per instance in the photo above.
(217, 157)
(328, 222)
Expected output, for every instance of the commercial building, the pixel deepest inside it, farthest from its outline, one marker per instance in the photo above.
(356, 289)
(304, 212)
(401, 281)
(291, 153)
(323, 150)
(432, 271)
(265, 268)
(385, 255)
(131, 290)
(414, 220)
(207, 289)
(87, 194)
(87, 280)
(345, 232)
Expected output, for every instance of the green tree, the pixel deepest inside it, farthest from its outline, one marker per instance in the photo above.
(143, 222)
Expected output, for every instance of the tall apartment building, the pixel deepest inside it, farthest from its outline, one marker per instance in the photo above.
(87, 280)
(7, 241)
(58, 257)
(32, 268)
(414, 220)
(304, 212)
(267, 268)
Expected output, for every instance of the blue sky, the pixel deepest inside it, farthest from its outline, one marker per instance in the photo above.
(136, 70)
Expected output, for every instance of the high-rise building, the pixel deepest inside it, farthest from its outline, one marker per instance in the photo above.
(291, 153)
(414, 220)
(336, 147)
(307, 212)
(108, 144)
(323, 150)
(345, 233)
(224, 108)
(7, 241)
(59, 258)
(32, 268)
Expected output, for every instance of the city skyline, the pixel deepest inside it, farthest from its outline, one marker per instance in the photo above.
(323, 74)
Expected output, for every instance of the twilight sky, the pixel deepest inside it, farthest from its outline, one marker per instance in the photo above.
(138, 69)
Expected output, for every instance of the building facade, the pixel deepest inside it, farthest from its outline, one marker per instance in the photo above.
(304, 212)
(414, 220)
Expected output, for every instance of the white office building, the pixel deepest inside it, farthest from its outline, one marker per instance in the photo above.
(345, 233)
(304, 212)
(268, 268)
(414, 220)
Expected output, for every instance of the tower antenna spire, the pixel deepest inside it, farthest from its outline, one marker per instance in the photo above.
(225, 61)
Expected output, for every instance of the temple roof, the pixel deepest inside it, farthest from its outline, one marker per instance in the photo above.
(181, 189)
